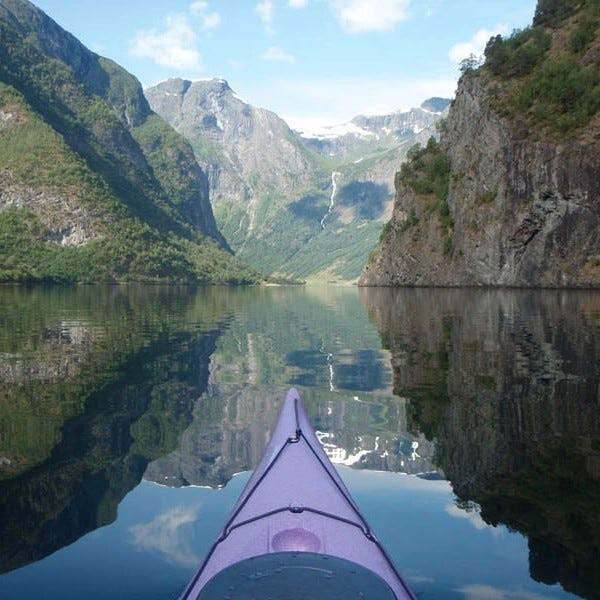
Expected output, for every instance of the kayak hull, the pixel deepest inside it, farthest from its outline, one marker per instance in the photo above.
(296, 510)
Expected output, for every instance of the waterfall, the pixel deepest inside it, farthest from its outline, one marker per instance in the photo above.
(335, 175)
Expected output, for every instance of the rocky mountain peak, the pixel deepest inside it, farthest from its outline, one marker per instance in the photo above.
(216, 85)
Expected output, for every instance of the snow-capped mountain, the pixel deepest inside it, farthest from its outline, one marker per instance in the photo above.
(289, 203)
(368, 133)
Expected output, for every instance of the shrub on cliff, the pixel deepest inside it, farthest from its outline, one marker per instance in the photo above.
(562, 94)
(427, 170)
(549, 73)
(517, 55)
(552, 12)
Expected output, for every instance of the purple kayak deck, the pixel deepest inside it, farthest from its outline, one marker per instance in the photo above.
(295, 501)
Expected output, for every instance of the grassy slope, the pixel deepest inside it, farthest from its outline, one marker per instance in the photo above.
(549, 73)
(66, 156)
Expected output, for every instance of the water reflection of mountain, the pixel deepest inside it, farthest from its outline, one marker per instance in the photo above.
(232, 425)
(508, 382)
(313, 338)
(98, 384)
(83, 413)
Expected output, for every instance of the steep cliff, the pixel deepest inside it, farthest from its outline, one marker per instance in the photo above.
(511, 195)
(246, 150)
(93, 184)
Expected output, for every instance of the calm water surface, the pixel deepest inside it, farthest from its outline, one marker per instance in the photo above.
(465, 423)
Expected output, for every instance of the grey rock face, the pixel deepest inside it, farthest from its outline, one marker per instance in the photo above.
(245, 150)
(525, 208)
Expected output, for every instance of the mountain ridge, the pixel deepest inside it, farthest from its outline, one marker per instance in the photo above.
(95, 186)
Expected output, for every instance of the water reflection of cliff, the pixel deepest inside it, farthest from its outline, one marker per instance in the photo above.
(85, 407)
(508, 383)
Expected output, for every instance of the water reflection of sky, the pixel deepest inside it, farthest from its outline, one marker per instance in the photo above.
(161, 534)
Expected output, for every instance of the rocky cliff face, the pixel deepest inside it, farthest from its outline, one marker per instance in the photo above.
(244, 149)
(522, 203)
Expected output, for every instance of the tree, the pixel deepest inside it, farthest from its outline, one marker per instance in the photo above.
(495, 54)
(469, 64)
(552, 12)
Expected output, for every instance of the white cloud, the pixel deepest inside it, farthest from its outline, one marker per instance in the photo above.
(473, 516)
(276, 54)
(297, 3)
(476, 45)
(266, 12)
(174, 46)
(362, 16)
(209, 19)
(166, 534)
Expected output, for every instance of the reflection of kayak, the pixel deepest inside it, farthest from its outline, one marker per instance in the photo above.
(295, 532)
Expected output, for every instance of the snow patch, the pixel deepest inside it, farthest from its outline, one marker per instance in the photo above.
(327, 132)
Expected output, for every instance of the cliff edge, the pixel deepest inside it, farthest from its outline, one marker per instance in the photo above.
(511, 194)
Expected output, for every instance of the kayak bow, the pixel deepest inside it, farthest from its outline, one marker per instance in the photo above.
(295, 532)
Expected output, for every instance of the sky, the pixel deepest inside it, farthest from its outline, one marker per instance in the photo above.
(313, 62)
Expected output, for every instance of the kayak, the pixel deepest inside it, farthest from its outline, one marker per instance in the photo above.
(295, 532)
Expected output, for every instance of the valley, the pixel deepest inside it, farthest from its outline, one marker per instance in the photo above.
(294, 204)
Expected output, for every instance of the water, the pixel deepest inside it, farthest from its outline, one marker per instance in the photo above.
(466, 424)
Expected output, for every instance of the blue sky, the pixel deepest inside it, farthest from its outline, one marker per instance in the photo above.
(310, 61)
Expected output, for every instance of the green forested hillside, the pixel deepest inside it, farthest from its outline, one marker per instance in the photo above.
(549, 73)
(93, 185)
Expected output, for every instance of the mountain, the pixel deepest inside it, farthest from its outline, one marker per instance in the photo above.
(93, 184)
(287, 203)
(373, 135)
(254, 163)
(511, 195)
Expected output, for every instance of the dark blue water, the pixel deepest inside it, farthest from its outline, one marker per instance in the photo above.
(465, 423)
